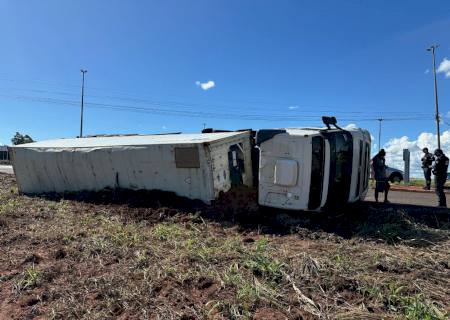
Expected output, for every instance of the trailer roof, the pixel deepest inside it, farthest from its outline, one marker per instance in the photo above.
(155, 139)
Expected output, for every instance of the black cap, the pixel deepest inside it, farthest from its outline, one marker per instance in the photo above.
(438, 152)
(425, 149)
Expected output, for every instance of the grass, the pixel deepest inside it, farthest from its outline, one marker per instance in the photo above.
(411, 306)
(416, 182)
(167, 231)
(260, 261)
(29, 280)
(66, 259)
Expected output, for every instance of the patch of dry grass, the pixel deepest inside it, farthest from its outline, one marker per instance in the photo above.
(67, 259)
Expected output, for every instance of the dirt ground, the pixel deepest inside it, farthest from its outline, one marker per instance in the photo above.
(151, 255)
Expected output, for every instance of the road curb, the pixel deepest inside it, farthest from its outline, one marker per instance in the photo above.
(406, 189)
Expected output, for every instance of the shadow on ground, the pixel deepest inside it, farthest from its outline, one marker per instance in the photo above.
(391, 223)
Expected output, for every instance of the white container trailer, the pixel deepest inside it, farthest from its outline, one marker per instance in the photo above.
(198, 166)
(312, 168)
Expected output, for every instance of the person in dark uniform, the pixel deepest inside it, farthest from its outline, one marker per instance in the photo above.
(427, 164)
(440, 168)
(379, 170)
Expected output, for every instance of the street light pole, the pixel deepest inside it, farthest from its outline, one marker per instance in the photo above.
(379, 133)
(432, 49)
(82, 102)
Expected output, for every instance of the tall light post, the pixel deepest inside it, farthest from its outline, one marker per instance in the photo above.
(432, 48)
(82, 102)
(379, 133)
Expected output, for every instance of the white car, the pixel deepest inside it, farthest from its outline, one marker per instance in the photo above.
(394, 175)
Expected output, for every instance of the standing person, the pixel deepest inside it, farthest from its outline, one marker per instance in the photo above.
(379, 169)
(427, 164)
(440, 175)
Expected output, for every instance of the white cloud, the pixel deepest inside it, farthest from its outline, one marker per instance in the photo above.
(351, 126)
(394, 150)
(427, 71)
(447, 115)
(164, 127)
(444, 67)
(292, 107)
(206, 85)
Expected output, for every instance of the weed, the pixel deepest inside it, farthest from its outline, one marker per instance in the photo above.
(372, 292)
(167, 231)
(412, 307)
(52, 206)
(206, 250)
(394, 296)
(63, 207)
(261, 263)
(342, 262)
(68, 238)
(233, 276)
(248, 292)
(10, 206)
(233, 245)
(100, 245)
(30, 279)
(409, 263)
(169, 271)
(230, 310)
(416, 308)
(124, 235)
(109, 233)
(142, 259)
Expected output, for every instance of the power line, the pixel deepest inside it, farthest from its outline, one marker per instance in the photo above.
(248, 105)
(166, 110)
(289, 114)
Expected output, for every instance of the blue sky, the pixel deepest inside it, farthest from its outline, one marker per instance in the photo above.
(273, 64)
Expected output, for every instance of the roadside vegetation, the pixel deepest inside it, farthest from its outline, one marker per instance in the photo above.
(130, 256)
(414, 182)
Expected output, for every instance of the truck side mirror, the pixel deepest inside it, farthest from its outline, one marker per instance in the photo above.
(330, 121)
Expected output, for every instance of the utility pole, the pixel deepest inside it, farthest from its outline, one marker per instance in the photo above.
(432, 48)
(379, 133)
(82, 102)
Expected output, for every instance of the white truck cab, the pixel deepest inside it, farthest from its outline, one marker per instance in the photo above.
(312, 168)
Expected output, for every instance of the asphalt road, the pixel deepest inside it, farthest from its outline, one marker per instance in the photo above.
(6, 169)
(410, 198)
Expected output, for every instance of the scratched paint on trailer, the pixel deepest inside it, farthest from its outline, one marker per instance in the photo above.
(221, 167)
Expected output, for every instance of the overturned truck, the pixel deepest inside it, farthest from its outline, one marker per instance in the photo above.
(296, 169)
(191, 165)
